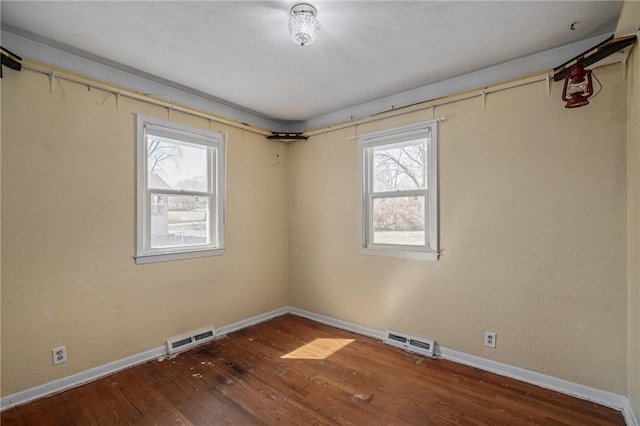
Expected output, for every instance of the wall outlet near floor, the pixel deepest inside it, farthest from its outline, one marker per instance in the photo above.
(59, 355)
(490, 339)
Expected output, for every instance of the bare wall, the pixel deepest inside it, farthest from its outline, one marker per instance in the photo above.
(0, 233)
(532, 234)
(633, 159)
(68, 221)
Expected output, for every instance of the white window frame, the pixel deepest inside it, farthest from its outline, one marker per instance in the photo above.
(216, 191)
(399, 136)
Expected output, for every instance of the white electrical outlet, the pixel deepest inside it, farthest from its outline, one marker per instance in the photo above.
(490, 339)
(59, 355)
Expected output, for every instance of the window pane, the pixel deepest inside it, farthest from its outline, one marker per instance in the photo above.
(400, 167)
(178, 165)
(179, 220)
(399, 220)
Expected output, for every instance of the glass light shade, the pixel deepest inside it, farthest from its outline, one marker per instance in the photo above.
(303, 24)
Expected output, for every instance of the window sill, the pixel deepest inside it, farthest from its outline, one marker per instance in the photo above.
(405, 254)
(167, 257)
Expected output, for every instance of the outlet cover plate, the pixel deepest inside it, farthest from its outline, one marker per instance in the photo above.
(490, 339)
(59, 355)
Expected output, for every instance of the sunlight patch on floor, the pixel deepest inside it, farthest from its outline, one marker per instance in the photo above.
(318, 349)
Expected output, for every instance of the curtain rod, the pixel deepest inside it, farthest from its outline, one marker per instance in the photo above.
(421, 106)
(431, 104)
(119, 91)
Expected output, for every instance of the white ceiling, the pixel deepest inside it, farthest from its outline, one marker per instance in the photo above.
(239, 51)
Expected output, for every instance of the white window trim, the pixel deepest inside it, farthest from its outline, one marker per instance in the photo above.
(385, 137)
(217, 171)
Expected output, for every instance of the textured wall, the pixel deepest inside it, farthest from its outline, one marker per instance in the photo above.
(0, 236)
(533, 208)
(532, 229)
(68, 196)
(633, 159)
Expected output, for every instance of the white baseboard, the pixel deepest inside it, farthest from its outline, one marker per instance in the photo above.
(344, 325)
(588, 393)
(78, 379)
(221, 331)
(609, 399)
(629, 416)
(96, 373)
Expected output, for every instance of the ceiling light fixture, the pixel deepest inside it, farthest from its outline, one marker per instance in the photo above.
(303, 24)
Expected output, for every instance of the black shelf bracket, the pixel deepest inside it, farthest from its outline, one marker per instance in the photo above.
(287, 136)
(593, 55)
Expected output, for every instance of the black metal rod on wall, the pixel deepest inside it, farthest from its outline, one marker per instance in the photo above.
(9, 61)
(594, 55)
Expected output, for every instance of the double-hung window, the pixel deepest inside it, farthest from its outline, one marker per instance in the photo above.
(180, 191)
(398, 214)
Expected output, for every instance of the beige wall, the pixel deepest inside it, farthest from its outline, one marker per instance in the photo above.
(68, 195)
(633, 161)
(533, 231)
(532, 234)
(0, 240)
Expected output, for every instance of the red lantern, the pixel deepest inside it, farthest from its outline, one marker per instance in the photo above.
(577, 87)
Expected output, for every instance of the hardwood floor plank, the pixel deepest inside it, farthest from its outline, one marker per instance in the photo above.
(254, 369)
(11, 418)
(295, 371)
(50, 411)
(179, 383)
(382, 373)
(146, 397)
(78, 406)
(294, 374)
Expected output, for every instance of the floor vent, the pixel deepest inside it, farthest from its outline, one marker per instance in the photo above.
(189, 340)
(410, 343)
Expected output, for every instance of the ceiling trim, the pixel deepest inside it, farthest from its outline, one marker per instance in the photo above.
(80, 62)
(84, 63)
(121, 91)
(519, 68)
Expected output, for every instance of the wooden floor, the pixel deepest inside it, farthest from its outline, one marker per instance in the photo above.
(295, 371)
